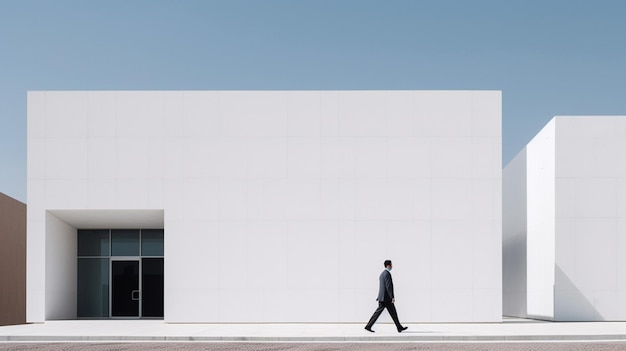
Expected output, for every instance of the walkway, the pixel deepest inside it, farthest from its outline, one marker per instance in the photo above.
(151, 330)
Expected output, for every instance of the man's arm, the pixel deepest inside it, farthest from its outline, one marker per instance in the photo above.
(389, 286)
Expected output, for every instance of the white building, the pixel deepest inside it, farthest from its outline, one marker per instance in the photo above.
(263, 206)
(564, 213)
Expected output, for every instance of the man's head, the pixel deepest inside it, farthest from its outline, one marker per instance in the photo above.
(388, 264)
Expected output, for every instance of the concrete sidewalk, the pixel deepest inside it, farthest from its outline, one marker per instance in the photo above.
(151, 330)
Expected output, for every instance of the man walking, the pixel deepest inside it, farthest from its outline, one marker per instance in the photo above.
(385, 299)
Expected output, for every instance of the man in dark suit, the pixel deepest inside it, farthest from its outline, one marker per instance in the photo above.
(385, 299)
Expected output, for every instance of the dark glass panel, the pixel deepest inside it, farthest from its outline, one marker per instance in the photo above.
(152, 242)
(152, 287)
(125, 242)
(93, 242)
(93, 287)
(125, 289)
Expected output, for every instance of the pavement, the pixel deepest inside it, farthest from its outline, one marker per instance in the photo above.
(362, 346)
(510, 330)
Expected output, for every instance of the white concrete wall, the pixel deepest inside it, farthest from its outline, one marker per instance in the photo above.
(579, 209)
(540, 209)
(591, 213)
(529, 229)
(35, 211)
(282, 206)
(514, 233)
(61, 269)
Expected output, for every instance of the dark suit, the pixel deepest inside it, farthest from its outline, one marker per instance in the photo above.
(385, 300)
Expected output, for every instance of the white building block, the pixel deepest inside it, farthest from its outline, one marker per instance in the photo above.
(562, 211)
(277, 206)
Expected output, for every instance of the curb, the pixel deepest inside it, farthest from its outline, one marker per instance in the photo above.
(304, 339)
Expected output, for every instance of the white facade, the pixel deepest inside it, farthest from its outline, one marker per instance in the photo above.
(564, 205)
(277, 206)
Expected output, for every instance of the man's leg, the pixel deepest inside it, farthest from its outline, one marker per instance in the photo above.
(375, 316)
(394, 315)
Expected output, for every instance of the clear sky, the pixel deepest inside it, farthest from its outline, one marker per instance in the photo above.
(548, 57)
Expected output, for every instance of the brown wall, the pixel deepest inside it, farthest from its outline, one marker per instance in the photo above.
(12, 261)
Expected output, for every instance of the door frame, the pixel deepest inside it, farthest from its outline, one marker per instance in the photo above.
(124, 258)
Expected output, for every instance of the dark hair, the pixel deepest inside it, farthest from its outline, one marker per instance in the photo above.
(387, 263)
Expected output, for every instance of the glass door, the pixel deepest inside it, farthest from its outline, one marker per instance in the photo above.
(125, 293)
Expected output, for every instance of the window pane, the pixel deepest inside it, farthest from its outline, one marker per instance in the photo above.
(93, 287)
(152, 287)
(125, 242)
(93, 242)
(152, 242)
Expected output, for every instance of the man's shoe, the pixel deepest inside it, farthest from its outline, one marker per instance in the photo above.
(402, 329)
(369, 330)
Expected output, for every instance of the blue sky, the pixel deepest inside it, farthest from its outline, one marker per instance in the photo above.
(548, 57)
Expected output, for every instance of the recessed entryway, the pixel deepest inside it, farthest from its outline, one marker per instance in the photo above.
(120, 273)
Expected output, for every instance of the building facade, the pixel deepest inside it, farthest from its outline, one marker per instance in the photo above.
(12, 261)
(263, 206)
(564, 214)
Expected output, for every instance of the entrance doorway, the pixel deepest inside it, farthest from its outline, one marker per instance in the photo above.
(136, 287)
(125, 289)
(120, 273)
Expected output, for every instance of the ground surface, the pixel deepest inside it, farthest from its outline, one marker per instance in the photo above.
(582, 346)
